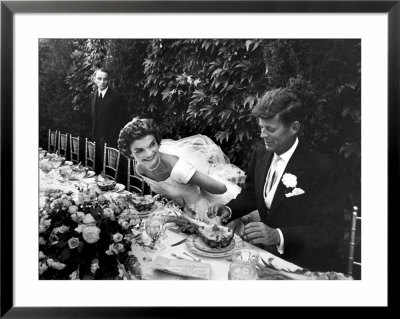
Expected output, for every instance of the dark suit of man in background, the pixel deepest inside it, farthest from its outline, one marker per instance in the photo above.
(298, 200)
(109, 114)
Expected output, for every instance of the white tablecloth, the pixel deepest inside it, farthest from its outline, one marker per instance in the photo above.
(219, 265)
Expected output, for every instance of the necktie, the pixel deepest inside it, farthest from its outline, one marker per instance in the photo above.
(272, 174)
(101, 96)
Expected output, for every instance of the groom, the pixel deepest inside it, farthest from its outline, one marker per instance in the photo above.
(293, 188)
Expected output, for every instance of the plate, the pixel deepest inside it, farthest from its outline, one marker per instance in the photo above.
(89, 174)
(199, 243)
(118, 188)
(144, 213)
(238, 242)
(74, 177)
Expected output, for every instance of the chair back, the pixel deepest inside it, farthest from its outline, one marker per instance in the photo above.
(135, 183)
(52, 141)
(62, 144)
(90, 154)
(355, 233)
(74, 149)
(111, 161)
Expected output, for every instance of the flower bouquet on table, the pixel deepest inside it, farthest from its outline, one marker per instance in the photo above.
(86, 236)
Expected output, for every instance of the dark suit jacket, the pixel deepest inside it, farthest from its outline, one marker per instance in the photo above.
(311, 223)
(108, 119)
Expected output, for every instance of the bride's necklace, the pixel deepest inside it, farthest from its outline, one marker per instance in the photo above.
(159, 161)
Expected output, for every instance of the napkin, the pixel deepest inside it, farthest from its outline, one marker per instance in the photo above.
(182, 267)
(296, 191)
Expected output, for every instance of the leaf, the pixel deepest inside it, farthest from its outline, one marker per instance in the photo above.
(256, 46)
(229, 87)
(247, 44)
(221, 136)
(250, 101)
(345, 111)
(198, 94)
(217, 84)
(152, 107)
(349, 149)
(153, 91)
(242, 65)
(94, 213)
(166, 93)
(80, 247)
(216, 72)
(65, 254)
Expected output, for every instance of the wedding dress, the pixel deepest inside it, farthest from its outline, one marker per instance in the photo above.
(200, 153)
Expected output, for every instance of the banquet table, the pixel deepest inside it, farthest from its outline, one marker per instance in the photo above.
(219, 265)
(147, 258)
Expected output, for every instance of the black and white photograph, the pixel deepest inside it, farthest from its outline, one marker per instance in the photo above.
(215, 159)
(186, 154)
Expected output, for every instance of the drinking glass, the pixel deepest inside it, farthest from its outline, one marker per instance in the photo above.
(155, 225)
(53, 165)
(164, 214)
(57, 162)
(246, 254)
(46, 168)
(65, 172)
(42, 154)
(242, 270)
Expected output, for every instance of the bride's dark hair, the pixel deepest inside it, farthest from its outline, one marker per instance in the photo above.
(135, 130)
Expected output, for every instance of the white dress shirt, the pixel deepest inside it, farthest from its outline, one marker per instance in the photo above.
(280, 168)
(102, 92)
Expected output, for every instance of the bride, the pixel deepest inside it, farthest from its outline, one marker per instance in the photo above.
(193, 171)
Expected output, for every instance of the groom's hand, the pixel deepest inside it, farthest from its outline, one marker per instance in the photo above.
(218, 210)
(259, 233)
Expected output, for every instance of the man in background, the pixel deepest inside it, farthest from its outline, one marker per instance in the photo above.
(108, 114)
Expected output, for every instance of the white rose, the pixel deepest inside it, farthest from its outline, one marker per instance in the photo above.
(289, 180)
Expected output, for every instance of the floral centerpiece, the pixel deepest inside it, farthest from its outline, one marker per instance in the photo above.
(86, 236)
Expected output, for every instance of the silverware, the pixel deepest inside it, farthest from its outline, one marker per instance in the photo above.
(269, 265)
(180, 257)
(179, 242)
(193, 258)
(176, 256)
(265, 263)
(261, 266)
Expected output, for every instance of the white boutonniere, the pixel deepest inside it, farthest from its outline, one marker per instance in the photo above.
(290, 181)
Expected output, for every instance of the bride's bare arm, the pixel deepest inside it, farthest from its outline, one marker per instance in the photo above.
(208, 183)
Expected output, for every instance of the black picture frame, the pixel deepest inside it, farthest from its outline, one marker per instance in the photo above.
(9, 8)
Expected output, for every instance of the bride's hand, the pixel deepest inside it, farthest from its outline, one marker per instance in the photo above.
(218, 210)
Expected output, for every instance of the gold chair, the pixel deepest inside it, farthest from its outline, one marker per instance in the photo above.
(136, 178)
(90, 154)
(352, 245)
(111, 161)
(62, 144)
(74, 148)
(52, 141)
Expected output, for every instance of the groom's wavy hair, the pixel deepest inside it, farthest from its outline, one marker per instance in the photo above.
(136, 129)
(282, 101)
